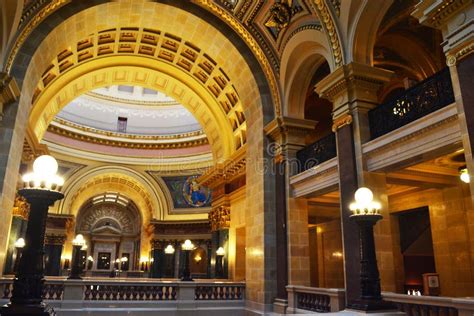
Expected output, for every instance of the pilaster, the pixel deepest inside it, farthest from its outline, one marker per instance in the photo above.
(288, 136)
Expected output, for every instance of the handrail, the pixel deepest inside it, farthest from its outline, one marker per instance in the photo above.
(423, 98)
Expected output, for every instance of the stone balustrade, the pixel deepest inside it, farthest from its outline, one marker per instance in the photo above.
(320, 300)
(431, 305)
(303, 300)
(141, 296)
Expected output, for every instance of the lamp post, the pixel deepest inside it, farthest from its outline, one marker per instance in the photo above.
(169, 252)
(76, 268)
(220, 253)
(366, 213)
(90, 262)
(187, 247)
(41, 190)
(19, 245)
(124, 261)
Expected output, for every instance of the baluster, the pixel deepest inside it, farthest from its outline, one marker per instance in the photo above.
(197, 293)
(160, 292)
(173, 293)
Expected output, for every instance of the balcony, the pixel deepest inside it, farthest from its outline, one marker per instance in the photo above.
(138, 297)
(304, 300)
(420, 100)
(318, 152)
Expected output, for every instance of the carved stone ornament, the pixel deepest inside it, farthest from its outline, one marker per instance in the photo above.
(219, 217)
(21, 208)
(280, 16)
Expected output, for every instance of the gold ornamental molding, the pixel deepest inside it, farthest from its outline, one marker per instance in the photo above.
(437, 14)
(94, 136)
(341, 121)
(9, 91)
(133, 137)
(32, 24)
(252, 44)
(21, 208)
(123, 144)
(209, 5)
(163, 47)
(331, 30)
(219, 217)
(454, 57)
(232, 168)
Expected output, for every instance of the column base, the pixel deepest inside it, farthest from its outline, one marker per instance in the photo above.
(367, 305)
(280, 305)
(26, 310)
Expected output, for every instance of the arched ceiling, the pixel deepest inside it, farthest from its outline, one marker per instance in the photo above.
(145, 118)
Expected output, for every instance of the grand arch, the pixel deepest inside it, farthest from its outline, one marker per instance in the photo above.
(138, 70)
(258, 95)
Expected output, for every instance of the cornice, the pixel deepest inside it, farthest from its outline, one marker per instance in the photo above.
(434, 13)
(223, 172)
(65, 124)
(130, 101)
(103, 140)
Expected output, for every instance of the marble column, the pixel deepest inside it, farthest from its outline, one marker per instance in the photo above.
(219, 217)
(11, 145)
(353, 91)
(53, 250)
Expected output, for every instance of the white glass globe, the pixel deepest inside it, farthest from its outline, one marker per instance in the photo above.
(465, 176)
(188, 245)
(364, 196)
(169, 250)
(79, 240)
(20, 243)
(46, 166)
(220, 251)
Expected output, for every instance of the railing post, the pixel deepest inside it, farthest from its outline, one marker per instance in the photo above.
(73, 296)
(338, 301)
(291, 309)
(186, 295)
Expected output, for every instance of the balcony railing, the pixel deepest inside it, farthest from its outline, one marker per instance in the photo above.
(317, 153)
(144, 295)
(320, 300)
(426, 97)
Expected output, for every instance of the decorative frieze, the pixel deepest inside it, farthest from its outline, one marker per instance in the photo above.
(219, 217)
(55, 239)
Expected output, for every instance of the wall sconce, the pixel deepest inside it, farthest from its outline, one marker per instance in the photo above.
(197, 258)
(337, 254)
(144, 263)
(464, 175)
